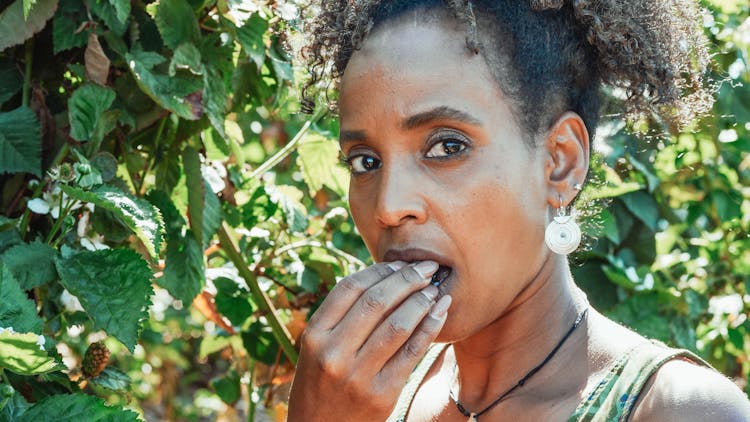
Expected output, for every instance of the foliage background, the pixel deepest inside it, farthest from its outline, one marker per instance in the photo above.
(161, 193)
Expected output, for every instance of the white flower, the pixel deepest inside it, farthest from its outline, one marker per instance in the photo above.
(214, 173)
(38, 205)
(40, 342)
(88, 238)
(70, 302)
(728, 304)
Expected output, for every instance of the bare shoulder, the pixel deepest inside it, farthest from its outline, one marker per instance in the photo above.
(684, 391)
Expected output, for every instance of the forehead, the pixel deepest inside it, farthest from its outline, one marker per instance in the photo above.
(412, 64)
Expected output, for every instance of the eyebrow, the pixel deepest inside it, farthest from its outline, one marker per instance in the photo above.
(439, 113)
(419, 119)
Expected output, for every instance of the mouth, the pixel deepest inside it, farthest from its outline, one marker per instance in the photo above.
(442, 274)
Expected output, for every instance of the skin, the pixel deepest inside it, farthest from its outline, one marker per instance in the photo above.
(441, 174)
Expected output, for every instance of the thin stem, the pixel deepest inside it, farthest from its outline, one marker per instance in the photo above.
(288, 148)
(278, 329)
(29, 57)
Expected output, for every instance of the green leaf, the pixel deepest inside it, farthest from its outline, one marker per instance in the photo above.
(21, 353)
(227, 387)
(15, 28)
(107, 12)
(643, 206)
(215, 98)
(173, 221)
(112, 379)
(113, 286)
(196, 190)
(232, 302)
(250, 36)
(260, 343)
(77, 407)
(14, 408)
(11, 80)
(212, 215)
(176, 22)
(138, 214)
(308, 280)
(184, 270)
(122, 8)
(17, 311)
(186, 57)
(20, 142)
(68, 19)
(85, 108)
(32, 264)
(318, 158)
(211, 343)
(180, 95)
(27, 5)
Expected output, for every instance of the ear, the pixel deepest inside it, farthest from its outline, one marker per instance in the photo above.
(567, 163)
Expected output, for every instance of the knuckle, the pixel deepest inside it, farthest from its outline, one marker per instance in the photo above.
(397, 328)
(330, 365)
(351, 284)
(382, 270)
(410, 275)
(422, 301)
(411, 351)
(309, 339)
(373, 301)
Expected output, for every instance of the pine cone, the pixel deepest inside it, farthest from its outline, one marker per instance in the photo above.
(95, 359)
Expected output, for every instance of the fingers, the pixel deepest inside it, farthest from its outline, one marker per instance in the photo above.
(406, 358)
(341, 298)
(378, 301)
(396, 329)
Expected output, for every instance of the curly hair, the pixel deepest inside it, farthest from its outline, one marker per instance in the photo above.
(547, 56)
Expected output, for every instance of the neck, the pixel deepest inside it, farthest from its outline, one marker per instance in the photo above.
(495, 359)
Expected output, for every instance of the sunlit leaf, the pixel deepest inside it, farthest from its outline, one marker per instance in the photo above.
(318, 157)
(21, 353)
(138, 214)
(176, 21)
(114, 288)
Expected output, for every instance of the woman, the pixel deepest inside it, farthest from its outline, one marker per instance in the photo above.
(467, 127)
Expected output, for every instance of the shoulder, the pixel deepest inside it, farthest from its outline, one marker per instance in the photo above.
(684, 391)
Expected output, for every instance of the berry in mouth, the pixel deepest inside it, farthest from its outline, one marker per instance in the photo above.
(440, 275)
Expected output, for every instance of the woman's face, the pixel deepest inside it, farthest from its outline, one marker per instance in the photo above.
(440, 168)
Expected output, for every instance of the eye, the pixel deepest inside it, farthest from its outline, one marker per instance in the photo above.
(359, 164)
(445, 148)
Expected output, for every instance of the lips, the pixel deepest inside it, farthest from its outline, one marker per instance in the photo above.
(416, 254)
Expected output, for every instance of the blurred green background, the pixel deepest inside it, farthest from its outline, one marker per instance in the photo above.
(163, 199)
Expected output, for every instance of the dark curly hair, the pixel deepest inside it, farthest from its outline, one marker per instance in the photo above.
(548, 56)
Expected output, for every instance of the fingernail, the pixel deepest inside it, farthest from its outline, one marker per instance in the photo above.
(439, 309)
(430, 292)
(396, 265)
(425, 268)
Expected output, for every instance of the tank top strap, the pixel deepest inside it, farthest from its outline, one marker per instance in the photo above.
(613, 398)
(415, 380)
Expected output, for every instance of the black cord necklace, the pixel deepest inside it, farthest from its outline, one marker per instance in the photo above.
(474, 416)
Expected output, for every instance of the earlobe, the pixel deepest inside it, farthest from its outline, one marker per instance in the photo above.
(567, 146)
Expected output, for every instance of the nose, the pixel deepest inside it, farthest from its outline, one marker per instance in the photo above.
(399, 197)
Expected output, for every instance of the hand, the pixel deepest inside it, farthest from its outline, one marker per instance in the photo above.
(363, 342)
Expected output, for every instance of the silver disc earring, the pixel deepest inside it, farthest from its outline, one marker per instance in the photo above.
(563, 234)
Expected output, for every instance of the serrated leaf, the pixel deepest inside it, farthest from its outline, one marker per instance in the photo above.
(32, 264)
(176, 22)
(11, 80)
(71, 14)
(211, 215)
(21, 353)
(112, 379)
(318, 158)
(180, 95)
(184, 270)
(105, 11)
(15, 28)
(114, 288)
(86, 106)
(138, 214)
(97, 63)
(173, 221)
(77, 407)
(250, 36)
(20, 142)
(215, 98)
(17, 311)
